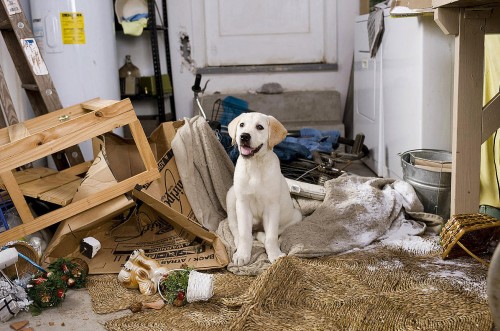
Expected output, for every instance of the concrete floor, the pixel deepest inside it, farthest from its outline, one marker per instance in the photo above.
(75, 313)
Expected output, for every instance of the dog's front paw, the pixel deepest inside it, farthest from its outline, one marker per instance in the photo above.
(273, 256)
(241, 258)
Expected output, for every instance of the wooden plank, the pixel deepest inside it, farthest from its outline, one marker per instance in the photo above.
(36, 187)
(78, 169)
(447, 20)
(59, 136)
(433, 168)
(493, 23)
(143, 145)
(29, 174)
(60, 195)
(42, 123)
(467, 115)
(77, 207)
(432, 163)
(62, 136)
(17, 132)
(40, 172)
(17, 198)
(463, 3)
(97, 104)
(491, 117)
(63, 194)
(7, 105)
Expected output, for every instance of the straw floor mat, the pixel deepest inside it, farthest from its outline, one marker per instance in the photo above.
(371, 289)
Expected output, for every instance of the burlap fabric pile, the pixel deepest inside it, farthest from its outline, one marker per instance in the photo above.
(377, 288)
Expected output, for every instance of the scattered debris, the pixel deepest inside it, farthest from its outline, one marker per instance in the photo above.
(271, 88)
(19, 325)
(135, 307)
(89, 247)
(159, 304)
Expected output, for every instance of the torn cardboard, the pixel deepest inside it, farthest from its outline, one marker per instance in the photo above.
(162, 223)
(98, 177)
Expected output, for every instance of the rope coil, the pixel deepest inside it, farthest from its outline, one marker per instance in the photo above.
(200, 286)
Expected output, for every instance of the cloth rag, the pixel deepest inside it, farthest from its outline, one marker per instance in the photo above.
(356, 211)
(205, 170)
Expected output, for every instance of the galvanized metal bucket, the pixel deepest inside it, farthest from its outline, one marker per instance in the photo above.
(433, 188)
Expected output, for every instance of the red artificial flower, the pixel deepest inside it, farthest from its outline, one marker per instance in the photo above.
(39, 280)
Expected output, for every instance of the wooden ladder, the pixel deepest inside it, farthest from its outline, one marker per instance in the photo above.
(34, 76)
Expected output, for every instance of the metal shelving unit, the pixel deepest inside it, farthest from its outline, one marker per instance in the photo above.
(155, 30)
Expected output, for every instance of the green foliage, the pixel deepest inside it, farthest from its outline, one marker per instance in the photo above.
(173, 286)
(48, 289)
(45, 291)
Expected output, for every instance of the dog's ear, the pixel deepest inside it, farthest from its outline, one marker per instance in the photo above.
(277, 132)
(231, 128)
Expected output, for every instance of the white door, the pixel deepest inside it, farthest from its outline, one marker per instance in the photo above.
(242, 44)
(260, 32)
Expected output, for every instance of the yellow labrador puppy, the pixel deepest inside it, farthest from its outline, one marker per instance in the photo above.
(259, 200)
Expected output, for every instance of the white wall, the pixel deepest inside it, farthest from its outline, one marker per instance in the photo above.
(182, 16)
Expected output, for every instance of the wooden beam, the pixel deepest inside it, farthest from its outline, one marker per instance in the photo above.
(491, 117)
(447, 20)
(17, 197)
(61, 195)
(463, 3)
(76, 207)
(78, 125)
(493, 23)
(467, 115)
(7, 106)
(78, 169)
(59, 137)
(39, 186)
(28, 175)
(17, 132)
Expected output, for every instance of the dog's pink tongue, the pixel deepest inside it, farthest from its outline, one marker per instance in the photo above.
(246, 150)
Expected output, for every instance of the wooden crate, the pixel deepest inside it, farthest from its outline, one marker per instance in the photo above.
(39, 137)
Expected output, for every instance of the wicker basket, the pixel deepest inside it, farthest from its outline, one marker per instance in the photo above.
(473, 234)
(23, 266)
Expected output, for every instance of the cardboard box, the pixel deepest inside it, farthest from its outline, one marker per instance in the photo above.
(162, 222)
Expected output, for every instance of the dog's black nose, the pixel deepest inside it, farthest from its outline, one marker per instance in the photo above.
(245, 137)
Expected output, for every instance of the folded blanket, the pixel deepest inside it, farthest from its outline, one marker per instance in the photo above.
(356, 211)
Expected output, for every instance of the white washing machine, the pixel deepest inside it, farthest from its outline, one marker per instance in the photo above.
(367, 117)
(403, 97)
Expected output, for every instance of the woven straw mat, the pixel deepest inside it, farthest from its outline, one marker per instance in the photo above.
(375, 289)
